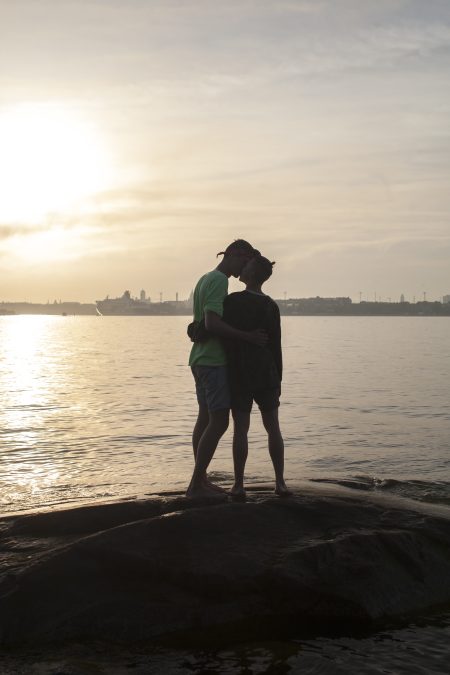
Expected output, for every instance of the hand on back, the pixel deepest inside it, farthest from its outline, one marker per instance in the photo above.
(258, 337)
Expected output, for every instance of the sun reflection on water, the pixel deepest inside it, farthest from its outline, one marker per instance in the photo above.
(28, 391)
(25, 365)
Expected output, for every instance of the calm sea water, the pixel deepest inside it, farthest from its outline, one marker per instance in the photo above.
(96, 408)
(103, 407)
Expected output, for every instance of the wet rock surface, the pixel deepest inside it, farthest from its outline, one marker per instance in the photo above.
(136, 571)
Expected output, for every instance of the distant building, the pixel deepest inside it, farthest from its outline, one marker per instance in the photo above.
(402, 298)
(315, 305)
(142, 296)
(446, 299)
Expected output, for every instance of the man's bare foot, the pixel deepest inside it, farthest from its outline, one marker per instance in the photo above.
(282, 490)
(201, 491)
(238, 492)
(212, 486)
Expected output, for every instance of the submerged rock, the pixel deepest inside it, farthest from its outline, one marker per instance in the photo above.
(140, 570)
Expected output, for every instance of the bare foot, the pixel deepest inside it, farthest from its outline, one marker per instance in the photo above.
(212, 486)
(282, 490)
(238, 492)
(202, 491)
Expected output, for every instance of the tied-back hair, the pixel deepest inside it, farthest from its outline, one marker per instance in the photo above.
(263, 268)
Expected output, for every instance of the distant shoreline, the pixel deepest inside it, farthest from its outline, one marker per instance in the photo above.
(291, 307)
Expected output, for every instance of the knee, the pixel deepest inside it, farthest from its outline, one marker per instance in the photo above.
(240, 432)
(220, 421)
(271, 425)
(241, 423)
(225, 425)
(270, 421)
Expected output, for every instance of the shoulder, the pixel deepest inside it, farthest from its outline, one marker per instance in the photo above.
(200, 281)
(274, 308)
(235, 297)
(216, 278)
(213, 280)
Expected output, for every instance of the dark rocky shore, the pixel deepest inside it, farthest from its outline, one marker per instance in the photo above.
(141, 570)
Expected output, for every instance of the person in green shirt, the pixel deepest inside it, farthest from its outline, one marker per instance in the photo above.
(208, 362)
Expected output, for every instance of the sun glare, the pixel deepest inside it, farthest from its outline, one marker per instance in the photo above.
(50, 158)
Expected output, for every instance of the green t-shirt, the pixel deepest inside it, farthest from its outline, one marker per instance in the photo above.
(209, 294)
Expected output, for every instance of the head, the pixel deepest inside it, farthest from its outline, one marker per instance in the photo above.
(236, 256)
(257, 270)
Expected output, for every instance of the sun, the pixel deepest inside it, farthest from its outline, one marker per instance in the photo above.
(51, 157)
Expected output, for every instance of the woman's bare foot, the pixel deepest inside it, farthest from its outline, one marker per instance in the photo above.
(281, 489)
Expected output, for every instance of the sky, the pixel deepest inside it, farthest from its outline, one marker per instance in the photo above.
(139, 138)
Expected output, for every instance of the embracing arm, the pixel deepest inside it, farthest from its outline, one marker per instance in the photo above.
(215, 325)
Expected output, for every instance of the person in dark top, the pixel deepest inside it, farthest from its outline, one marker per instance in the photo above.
(255, 372)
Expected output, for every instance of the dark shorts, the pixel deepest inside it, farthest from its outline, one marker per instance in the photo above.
(211, 385)
(266, 399)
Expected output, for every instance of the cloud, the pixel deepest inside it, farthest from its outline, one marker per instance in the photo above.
(19, 229)
(214, 47)
(6, 232)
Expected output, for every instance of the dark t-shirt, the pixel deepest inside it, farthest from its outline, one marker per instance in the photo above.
(252, 367)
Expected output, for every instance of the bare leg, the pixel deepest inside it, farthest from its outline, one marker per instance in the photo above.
(240, 450)
(276, 449)
(199, 428)
(206, 447)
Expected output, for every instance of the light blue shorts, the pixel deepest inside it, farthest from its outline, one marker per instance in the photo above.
(211, 385)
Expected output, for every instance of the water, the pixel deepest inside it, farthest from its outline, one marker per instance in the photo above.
(103, 407)
(420, 648)
(96, 408)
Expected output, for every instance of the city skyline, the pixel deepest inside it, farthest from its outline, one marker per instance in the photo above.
(138, 139)
(161, 296)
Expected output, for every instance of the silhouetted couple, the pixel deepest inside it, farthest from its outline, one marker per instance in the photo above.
(235, 359)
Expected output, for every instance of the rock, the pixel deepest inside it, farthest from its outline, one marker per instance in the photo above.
(141, 570)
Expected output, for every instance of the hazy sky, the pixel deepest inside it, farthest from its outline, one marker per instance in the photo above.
(139, 137)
